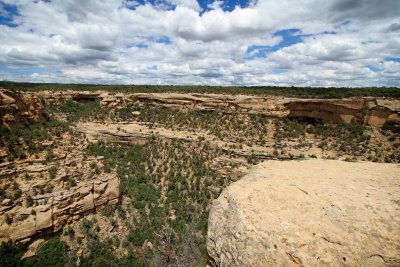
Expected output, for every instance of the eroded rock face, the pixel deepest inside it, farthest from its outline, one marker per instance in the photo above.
(375, 112)
(267, 105)
(308, 213)
(372, 111)
(59, 208)
(327, 110)
(18, 107)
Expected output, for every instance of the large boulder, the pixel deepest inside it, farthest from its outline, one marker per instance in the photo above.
(308, 213)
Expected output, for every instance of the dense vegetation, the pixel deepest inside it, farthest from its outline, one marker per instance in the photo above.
(306, 92)
(234, 127)
(352, 139)
(22, 139)
(75, 111)
(171, 184)
(53, 253)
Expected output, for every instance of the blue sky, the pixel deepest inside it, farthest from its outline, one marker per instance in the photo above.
(6, 16)
(289, 37)
(235, 42)
(228, 6)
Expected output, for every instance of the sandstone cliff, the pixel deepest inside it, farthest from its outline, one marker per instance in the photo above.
(19, 107)
(372, 111)
(54, 210)
(375, 112)
(25, 107)
(308, 213)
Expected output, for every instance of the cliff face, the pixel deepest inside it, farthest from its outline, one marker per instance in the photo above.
(375, 112)
(290, 213)
(19, 108)
(270, 106)
(372, 111)
(53, 211)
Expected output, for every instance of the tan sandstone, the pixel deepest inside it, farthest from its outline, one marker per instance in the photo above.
(61, 207)
(370, 110)
(308, 213)
(16, 107)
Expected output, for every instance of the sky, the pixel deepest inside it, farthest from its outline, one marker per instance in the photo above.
(343, 43)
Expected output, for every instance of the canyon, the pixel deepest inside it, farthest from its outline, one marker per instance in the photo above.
(264, 168)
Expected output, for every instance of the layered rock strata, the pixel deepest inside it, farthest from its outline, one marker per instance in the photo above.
(372, 111)
(375, 112)
(18, 107)
(54, 210)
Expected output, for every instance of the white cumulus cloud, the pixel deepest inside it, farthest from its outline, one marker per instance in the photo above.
(286, 42)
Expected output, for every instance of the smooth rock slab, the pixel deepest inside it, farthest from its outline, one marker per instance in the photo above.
(308, 213)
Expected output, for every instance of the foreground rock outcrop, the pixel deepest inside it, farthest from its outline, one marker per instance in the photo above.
(308, 213)
(18, 107)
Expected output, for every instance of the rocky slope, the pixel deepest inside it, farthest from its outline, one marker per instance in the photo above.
(331, 213)
(372, 111)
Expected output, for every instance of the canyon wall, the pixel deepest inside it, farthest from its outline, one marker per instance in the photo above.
(18, 107)
(26, 107)
(372, 111)
(52, 211)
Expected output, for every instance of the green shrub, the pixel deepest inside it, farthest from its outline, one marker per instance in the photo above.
(29, 201)
(252, 159)
(100, 254)
(138, 236)
(8, 219)
(202, 223)
(393, 137)
(17, 193)
(86, 225)
(49, 155)
(69, 232)
(107, 211)
(22, 217)
(52, 172)
(93, 165)
(348, 159)
(10, 254)
(49, 188)
(52, 253)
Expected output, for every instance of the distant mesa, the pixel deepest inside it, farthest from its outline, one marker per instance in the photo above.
(374, 111)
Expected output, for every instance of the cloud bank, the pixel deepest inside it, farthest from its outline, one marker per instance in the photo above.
(285, 42)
